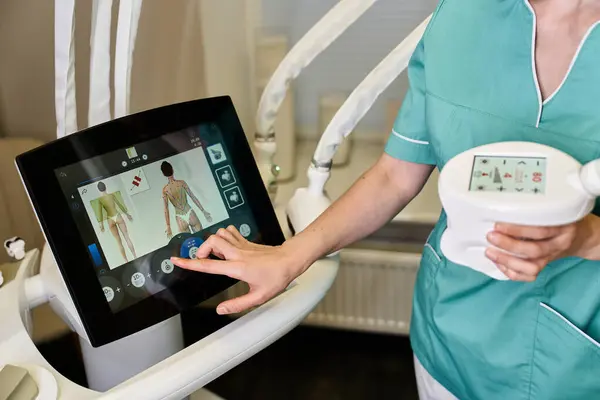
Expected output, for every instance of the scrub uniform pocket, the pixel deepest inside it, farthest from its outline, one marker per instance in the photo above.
(566, 361)
(432, 259)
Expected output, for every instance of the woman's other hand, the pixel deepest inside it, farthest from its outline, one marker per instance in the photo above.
(267, 270)
(536, 247)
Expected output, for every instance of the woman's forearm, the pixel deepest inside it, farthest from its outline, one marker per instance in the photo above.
(371, 202)
(589, 243)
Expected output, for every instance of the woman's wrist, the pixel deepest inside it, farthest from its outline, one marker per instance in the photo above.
(302, 253)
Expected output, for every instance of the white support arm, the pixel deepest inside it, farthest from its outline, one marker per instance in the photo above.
(184, 372)
(308, 204)
(319, 38)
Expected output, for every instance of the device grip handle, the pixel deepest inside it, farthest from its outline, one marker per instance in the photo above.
(590, 177)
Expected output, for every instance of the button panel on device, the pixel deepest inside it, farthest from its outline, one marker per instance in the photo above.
(508, 174)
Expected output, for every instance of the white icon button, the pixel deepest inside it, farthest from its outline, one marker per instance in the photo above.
(109, 293)
(138, 280)
(245, 230)
(124, 163)
(144, 157)
(193, 252)
(216, 153)
(167, 266)
(225, 175)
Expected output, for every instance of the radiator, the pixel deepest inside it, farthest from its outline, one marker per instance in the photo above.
(373, 292)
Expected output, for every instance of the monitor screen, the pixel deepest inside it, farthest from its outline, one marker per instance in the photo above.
(508, 174)
(136, 207)
(117, 200)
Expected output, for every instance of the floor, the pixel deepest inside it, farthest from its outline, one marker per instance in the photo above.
(308, 363)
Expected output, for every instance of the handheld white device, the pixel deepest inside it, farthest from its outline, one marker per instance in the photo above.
(514, 182)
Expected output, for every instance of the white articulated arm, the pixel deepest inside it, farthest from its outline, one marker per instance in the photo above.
(99, 105)
(321, 36)
(129, 17)
(308, 204)
(364, 96)
(64, 67)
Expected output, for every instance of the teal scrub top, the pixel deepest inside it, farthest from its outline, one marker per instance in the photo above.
(472, 82)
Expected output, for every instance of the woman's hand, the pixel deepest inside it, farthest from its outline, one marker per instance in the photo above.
(267, 270)
(536, 247)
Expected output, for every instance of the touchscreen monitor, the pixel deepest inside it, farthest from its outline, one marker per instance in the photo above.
(136, 207)
(117, 201)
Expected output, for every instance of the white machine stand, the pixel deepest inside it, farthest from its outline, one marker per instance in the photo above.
(514, 182)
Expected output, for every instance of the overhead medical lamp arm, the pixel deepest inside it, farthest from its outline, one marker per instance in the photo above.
(308, 204)
(319, 38)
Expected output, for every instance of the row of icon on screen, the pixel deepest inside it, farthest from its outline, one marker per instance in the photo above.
(138, 280)
(225, 177)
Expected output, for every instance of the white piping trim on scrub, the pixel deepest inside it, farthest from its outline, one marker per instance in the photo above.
(573, 61)
(582, 333)
(409, 139)
(533, 64)
(430, 247)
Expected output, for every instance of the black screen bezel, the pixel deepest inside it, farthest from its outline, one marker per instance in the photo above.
(37, 168)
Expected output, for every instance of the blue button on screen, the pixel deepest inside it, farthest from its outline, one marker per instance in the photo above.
(190, 246)
(93, 249)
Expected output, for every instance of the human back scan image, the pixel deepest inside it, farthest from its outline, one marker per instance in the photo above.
(138, 211)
